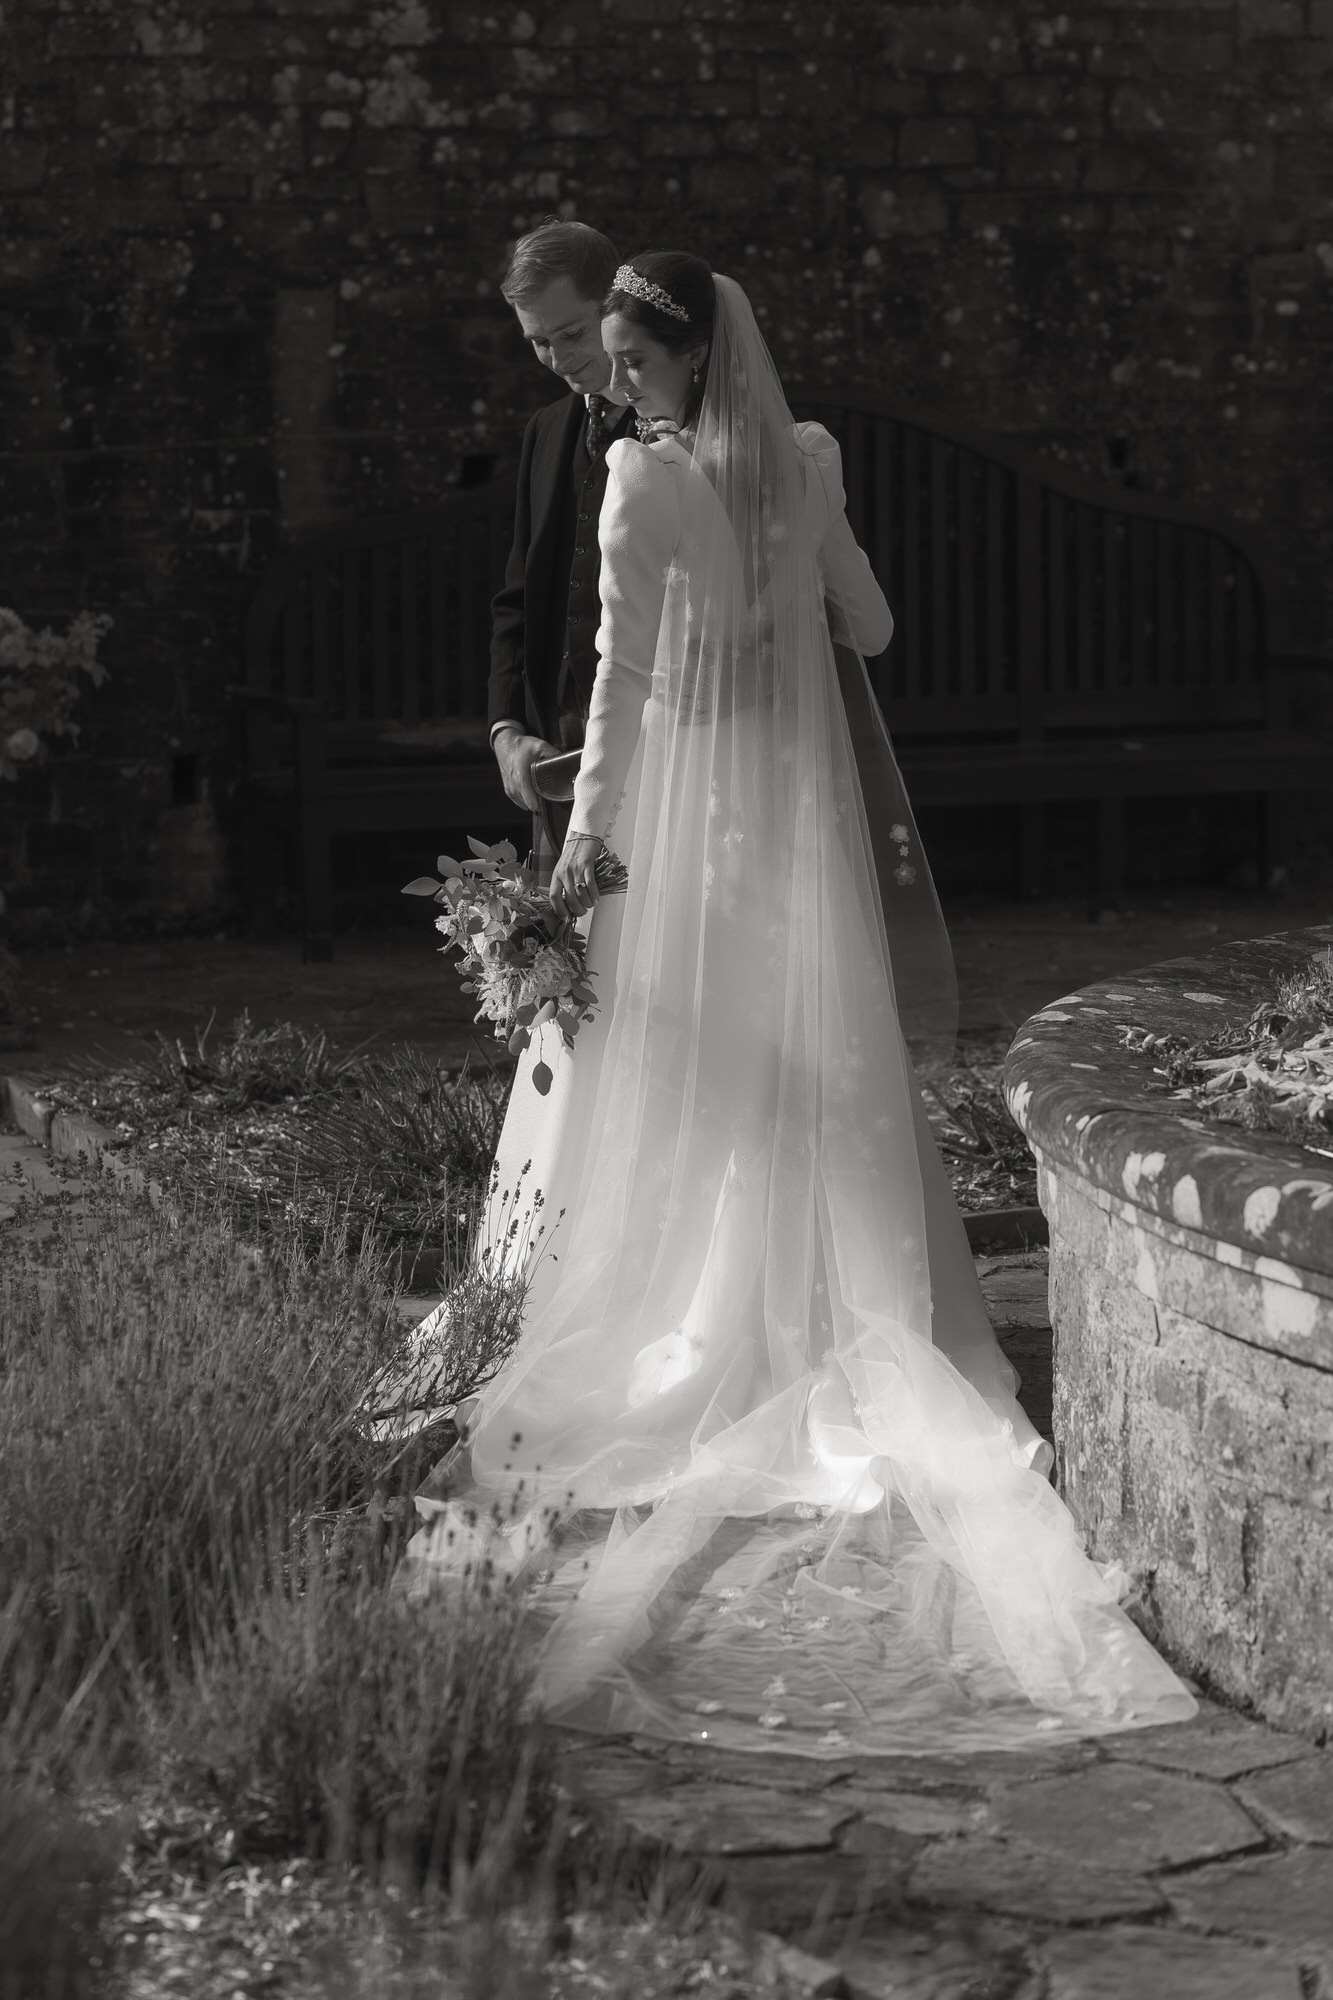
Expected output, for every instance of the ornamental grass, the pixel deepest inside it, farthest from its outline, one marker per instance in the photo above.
(170, 1397)
(340, 1720)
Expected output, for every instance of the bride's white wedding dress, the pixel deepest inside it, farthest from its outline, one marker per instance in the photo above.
(757, 1456)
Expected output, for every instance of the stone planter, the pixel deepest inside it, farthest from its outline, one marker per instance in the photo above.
(1192, 1301)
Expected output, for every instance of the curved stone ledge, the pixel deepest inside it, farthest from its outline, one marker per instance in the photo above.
(1192, 1303)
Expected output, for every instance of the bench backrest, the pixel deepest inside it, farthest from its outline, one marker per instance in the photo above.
(1026, 600)
(388, 621)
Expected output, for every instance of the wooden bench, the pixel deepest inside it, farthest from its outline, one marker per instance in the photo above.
(1059, 638)
(1055, 639)
(363, 707)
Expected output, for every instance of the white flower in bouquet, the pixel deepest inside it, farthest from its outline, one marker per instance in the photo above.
(552, 976)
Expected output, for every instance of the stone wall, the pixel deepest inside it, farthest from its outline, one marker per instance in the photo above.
(1191, 1295)
(249, 253)
(1193, 1417)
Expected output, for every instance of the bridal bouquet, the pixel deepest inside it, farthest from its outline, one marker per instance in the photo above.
(525, 964)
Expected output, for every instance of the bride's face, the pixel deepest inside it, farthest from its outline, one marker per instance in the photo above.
(655, 381)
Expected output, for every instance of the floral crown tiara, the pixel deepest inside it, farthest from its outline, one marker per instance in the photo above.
(627, 279)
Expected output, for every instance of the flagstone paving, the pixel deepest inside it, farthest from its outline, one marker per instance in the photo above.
(999, 1877)
(1190, 1862)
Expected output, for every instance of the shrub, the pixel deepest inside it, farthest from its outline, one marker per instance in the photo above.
(344, 1721)
(409, 1149)
(171, 1398)
(39, 683)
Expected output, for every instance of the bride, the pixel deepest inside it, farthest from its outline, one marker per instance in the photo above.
(757, 1457)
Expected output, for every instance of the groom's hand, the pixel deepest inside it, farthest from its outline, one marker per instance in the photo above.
(516, 753)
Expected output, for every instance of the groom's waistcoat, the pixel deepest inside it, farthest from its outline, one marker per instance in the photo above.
(578, 661)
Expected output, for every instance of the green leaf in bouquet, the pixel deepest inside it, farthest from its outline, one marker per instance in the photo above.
(422, 885)
(542, 1079)
(448, 867)
(518, 1041)
(503, 850)
(545, 1013)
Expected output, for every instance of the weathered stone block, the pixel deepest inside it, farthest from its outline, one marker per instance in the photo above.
(23, 163)
(965, 96)
(887, 212)
(1132, 1964)
(791, 1893)
(786, 90)
(728, 185)
(1285, 1898)
(1011, 1879)
(679, 139)
(937, 142)
(1038, 165)
(733, 1819)
(1114, 169)
(1128, 1818)
(1271, 17)
(923, 1814)
(1308, 58)
(1216, 1743)
(886, 95)
(1296, 1800)
(944, 39)
(76, 35)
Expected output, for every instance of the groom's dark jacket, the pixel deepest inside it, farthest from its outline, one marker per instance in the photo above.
(542, 664)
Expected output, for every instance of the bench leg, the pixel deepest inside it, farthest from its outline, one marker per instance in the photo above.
(1031, 850)
(316, 884)
(1110, 854)
(261, 874)
(1274, 839)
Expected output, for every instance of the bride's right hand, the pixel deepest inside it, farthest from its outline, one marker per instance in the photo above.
(574, 879)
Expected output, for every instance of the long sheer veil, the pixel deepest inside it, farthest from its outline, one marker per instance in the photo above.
(758, 1502)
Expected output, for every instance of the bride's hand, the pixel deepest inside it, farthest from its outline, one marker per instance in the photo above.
(573, 882)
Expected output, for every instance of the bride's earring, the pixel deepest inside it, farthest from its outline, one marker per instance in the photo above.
(698, 371)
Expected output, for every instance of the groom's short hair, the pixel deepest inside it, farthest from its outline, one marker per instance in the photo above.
(558, 249)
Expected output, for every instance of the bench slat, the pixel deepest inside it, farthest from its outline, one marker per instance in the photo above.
(1028, 601)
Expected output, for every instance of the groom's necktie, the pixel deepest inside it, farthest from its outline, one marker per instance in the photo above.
(599, 435)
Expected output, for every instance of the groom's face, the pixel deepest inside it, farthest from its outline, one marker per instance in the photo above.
(565, 333)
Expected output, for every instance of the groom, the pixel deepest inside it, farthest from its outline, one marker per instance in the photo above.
(545, 619)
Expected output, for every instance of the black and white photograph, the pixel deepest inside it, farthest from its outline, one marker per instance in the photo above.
(666, 1000)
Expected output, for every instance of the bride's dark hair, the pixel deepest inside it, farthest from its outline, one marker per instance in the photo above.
(687, 282)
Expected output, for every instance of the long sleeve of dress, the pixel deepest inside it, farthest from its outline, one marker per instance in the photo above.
(639, 524)
(858, 611)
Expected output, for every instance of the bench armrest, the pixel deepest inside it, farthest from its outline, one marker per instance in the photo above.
(287, 704)
(310, 732)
